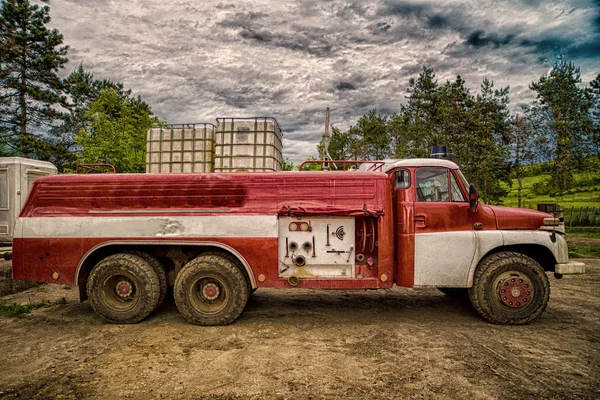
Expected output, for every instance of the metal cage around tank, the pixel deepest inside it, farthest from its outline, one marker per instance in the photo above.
(181, 148)
(248, 144)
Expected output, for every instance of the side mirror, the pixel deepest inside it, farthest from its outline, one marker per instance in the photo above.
(473, 197)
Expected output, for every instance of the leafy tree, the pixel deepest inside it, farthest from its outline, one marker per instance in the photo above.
(82, 90)
(312, 166)
(287, 165)
(594, 95)
(117, 132)
(30, 88)
(567, 107)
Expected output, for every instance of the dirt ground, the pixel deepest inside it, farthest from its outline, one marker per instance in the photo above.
(305, 344)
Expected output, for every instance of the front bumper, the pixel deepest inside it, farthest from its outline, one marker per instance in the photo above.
(570, 268)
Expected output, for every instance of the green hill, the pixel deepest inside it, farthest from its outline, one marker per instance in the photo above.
(585, 192)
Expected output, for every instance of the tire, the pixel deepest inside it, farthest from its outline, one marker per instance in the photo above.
(455, 293)
(211, 290)
(509, 288)
(230, 257)
(123, 272)
(158, 268)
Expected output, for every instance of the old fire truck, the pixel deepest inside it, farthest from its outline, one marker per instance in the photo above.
(217, 237)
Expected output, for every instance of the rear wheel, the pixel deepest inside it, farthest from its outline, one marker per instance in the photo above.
(123, 288)
(510, 288)
(234, 260)
(158, 268)
(211, 290)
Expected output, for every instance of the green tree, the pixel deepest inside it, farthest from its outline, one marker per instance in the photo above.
(82, 90)
(474, 128)
(369, 138)
(340, 144)
(116, 133)
(30, 89)
(287, 165)
(416, 128)
(567, 107)
(594, 95)
(522, 139)
(492, 136)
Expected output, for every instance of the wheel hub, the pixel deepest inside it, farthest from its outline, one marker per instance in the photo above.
(515, 291)
(124, 289)
(210, 291)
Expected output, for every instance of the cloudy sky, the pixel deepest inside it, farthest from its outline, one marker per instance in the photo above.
(193, 61)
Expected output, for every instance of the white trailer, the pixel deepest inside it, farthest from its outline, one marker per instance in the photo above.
(16, 177)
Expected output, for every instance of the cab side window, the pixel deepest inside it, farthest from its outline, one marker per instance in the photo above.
(402, 180)
(432, 184)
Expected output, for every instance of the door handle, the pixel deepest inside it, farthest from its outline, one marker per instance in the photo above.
(420, 220)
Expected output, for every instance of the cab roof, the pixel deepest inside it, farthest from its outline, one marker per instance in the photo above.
(390, 164)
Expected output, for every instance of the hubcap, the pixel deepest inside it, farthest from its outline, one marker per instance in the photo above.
(210, 291)
(120, 292)
(124, 289)
(208, 294)
(515, 291)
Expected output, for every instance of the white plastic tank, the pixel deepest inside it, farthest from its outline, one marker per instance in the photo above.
(180, 148)
(248, 144)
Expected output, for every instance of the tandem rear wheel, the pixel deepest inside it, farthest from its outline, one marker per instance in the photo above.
(211, 290)
(125, 288)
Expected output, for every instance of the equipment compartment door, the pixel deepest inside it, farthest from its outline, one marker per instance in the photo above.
(316, 247)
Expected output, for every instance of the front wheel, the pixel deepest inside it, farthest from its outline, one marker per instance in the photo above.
(211, 290)
(510, 288)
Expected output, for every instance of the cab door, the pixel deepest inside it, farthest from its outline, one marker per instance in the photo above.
(443, 227)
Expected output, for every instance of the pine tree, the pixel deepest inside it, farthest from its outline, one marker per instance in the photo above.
(492, 135)
(594, 95)
(417, 127)
(524, 148)
(30, 89)
(567, 107)
(369, 137)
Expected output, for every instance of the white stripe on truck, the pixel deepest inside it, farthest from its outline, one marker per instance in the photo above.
(151, 227)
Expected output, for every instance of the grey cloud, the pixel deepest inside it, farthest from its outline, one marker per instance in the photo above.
(446, 18)
(344, 86)
(381, 27)
(479, 38)
(225, 6)
(311, 41)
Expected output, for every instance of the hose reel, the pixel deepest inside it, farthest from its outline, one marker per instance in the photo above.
(366, 235)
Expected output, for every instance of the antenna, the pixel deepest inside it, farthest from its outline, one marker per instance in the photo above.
(325, 141)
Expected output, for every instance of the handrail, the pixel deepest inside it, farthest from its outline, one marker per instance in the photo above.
(92, 168)
(377, 165)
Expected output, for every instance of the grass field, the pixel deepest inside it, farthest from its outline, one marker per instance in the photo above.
(584, 242)
(586, 193)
